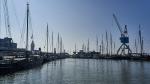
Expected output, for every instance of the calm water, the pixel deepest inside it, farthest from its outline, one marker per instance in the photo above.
(83, 71)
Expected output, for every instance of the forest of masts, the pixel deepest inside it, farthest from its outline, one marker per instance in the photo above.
(59, 44)
(108, 46)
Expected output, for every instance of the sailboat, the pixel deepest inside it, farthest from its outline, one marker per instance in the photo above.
(32, 59)
(28, 59)
(48, 56)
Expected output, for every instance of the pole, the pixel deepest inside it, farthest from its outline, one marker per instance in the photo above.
(27, 26)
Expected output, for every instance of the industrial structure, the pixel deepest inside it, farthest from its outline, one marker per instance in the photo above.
(124, 39)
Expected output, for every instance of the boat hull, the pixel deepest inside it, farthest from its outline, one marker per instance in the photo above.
(24, 64)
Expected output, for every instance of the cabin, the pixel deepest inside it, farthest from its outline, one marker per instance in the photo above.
(7, 44)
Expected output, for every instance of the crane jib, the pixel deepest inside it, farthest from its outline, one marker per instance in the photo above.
(116, 20)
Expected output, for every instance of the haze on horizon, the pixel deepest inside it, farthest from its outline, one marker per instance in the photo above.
(78, 20)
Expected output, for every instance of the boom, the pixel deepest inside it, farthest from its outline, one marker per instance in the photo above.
(116, 20)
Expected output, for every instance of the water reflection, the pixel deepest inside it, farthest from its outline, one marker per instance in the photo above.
(83, 71)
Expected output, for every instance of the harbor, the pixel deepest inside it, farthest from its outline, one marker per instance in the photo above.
(14, 59)
(74, 42)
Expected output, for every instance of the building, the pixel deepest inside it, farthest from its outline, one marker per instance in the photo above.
(7, 44)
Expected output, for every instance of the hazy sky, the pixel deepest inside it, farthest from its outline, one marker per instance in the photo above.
(78, 20)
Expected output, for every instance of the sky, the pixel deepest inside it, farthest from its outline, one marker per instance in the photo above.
(80, 20)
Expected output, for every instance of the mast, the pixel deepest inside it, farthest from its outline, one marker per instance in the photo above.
(58, 43)
(27, 26)
(0, 17)
(47, 36)
(52, 42)
(107, 42)
(136, 51)
(142, 46)
(75, 48)
(114, 47)
(111, 43)
(140, 37)
(6, 16)
(102, 45)
(83, 47)
(96, 44)
(100, 49)
(88, 46)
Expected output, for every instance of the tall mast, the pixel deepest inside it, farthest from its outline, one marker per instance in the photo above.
(88, 46)
(47, 37)
(58, 43)
(111, 43)
(96, 44)
(100, 49)
(6, 16)
(142, 46)
(114, 47)
(140, 37)
(107, 42)
(0, 16)
(136, 51)
(52, 42)
(75, 48)
(27, 26)
(83, 47)
(102, 45)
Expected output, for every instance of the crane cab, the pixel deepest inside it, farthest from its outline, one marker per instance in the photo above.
(124, 40)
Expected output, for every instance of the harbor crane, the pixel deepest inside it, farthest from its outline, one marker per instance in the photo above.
(124, 39)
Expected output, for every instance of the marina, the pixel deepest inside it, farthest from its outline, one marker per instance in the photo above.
(14, 59)
(75, 45)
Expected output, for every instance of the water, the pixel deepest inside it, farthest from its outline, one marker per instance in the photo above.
(83, 71)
